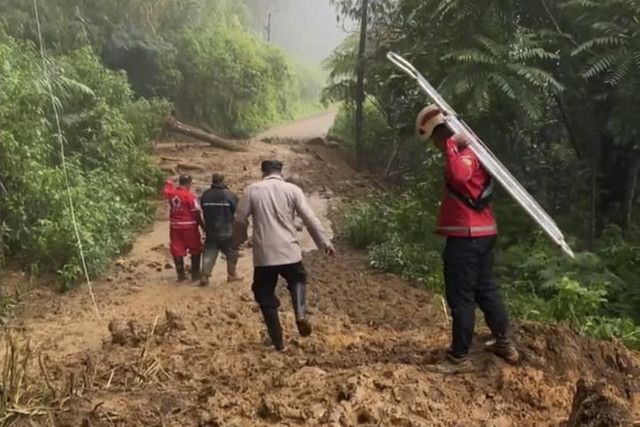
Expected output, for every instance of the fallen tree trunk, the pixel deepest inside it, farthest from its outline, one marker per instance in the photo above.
(177, 127)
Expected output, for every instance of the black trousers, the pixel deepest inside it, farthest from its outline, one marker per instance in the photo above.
(468, 276)
(265, 280)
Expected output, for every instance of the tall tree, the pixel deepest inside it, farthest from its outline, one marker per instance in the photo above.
(551, 85)
(359, 119)
(365, 12)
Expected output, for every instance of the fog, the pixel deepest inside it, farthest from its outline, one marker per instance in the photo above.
(307, 29)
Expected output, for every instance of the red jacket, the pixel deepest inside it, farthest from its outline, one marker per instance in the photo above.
(465, 174)
(184, 211)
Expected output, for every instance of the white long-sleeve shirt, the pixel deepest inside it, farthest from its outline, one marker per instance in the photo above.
(273, 204)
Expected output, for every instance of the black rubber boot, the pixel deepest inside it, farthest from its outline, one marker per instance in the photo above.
(195, 267)
(179, 263)
(272, 321)
(298, 298)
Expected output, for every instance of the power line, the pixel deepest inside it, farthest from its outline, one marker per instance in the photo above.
(268, 28)
(62, 157)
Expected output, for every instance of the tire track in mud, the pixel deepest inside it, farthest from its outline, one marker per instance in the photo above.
(170, 354)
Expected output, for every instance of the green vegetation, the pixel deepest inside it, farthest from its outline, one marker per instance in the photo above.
(118, 68)
(595, 295)
(200, 55)
(106, 137)
(551, 87)
(376, 131)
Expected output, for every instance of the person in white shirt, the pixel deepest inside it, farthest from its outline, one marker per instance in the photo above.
(273, 204)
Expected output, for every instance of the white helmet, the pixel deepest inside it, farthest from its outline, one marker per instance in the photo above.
(428, 118)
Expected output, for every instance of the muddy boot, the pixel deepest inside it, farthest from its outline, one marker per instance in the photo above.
(298, 298)
(179, 263)
(453, 365)
(272, 321)
(232, 273)
(204, 280)
(504, 348)
(209, 257)
(195, 267)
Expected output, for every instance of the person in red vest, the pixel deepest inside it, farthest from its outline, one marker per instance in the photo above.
(466, 221)
(185, 220)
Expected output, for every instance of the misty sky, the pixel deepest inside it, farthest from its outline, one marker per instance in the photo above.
(307, 29)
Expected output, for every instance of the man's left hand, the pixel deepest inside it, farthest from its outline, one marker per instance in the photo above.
(329, 249)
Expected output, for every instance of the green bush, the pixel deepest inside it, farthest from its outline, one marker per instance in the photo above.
(236, 84)
(106, 136)
(232, 82)
(376, 133)
(595, 294)
(198, 54)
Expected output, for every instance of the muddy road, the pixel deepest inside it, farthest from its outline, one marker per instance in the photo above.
(166, 354)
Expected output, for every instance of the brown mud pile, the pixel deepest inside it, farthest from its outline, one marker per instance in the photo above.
(167, 354)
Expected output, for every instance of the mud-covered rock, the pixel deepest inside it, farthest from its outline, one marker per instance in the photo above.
(595, 406)
(208, 419)
(174, 319)
(120, 333)
(268, 410)
(317, 141)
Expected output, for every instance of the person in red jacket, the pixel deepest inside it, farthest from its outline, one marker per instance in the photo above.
(466, 221)
(185, 220)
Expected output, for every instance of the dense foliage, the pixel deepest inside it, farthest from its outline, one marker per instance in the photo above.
(106, 140)
(551, 87)
(201, 55)
(117, 68)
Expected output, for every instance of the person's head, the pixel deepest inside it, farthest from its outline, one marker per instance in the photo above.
(271, 167)
(217, 179)
(431, 125)
(185, 180)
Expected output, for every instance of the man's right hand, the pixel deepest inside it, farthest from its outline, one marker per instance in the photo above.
(329, 249)
(461, 140)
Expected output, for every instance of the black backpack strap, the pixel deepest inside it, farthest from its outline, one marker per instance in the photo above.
(483, 199)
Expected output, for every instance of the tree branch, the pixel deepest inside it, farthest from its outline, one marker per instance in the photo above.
(567, 124)
(558, 29)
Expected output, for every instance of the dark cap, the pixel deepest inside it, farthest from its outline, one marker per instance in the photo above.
(184, 179)
(271, 166)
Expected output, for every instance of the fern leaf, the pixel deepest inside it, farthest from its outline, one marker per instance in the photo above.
(536, 76)
(586, 4)
(472, 56)
(496, 49)
(609, 28)
(600, 65)
(620, 70)
(606, 42)
(536, 53)
(500, 83)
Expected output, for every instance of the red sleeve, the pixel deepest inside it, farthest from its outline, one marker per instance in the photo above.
(460, 165)
(169, 189)
(195, 210)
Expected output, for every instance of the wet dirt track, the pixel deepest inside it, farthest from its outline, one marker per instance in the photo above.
(168, 354)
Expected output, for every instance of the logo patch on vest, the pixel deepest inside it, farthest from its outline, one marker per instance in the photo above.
(466, 160)
(175, 203)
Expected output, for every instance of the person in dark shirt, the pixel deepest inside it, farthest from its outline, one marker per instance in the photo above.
(218, 206)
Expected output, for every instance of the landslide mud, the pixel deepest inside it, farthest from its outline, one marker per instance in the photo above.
(168, 354)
